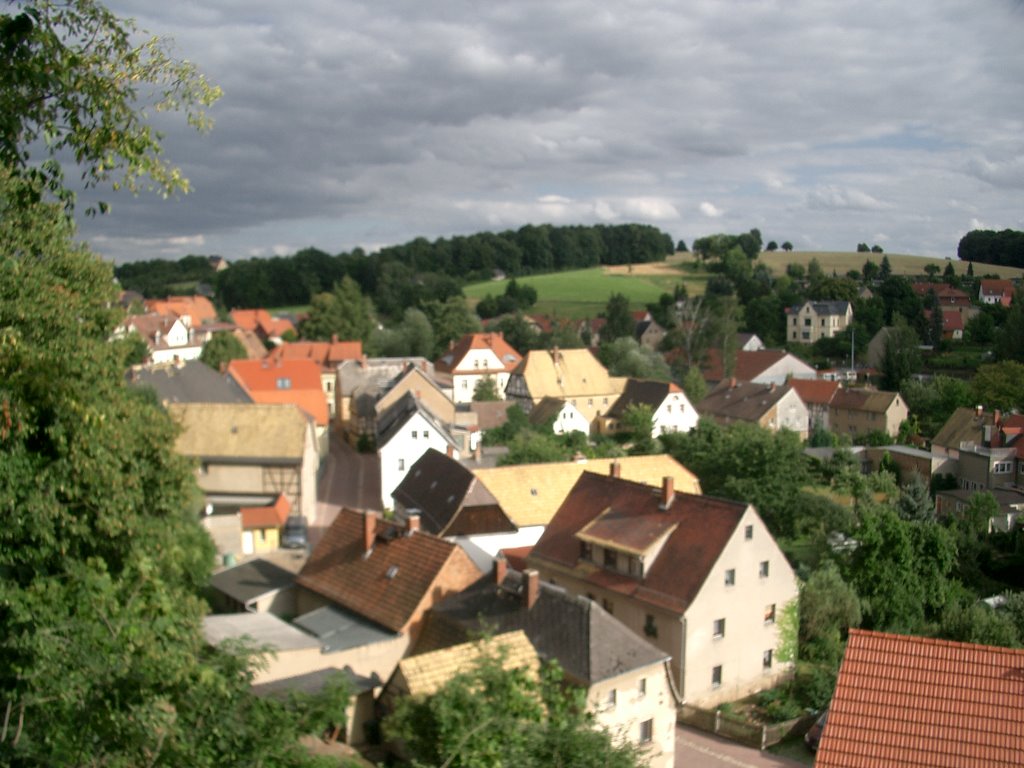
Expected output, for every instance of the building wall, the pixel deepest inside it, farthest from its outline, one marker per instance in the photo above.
(570, 419)
(380, 658)
(675, 414)
(846, 421)
(476, 365)
(435, 401)
(458, 573)
(403, 450)
(631, 708)
(806, 326)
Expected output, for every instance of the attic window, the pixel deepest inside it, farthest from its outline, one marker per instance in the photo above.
(533, 491)
(392, 572)
(284, 383)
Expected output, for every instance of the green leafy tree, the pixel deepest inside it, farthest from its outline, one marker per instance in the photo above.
(625, 357)
(828, 608)
(1000, 385)
(221, 349)
(915, 502)
(492, 716)
(343, 312)
(486, 390)
(772, 246)
(1010, 338)
(787, 246)
(694, 385)
(451, 319)
(638, 422)
(618, 319)
(901, 356)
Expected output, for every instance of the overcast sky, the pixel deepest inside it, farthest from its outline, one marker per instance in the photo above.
(349, 124)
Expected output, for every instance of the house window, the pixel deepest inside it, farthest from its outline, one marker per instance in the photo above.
(426, 434)
(586, 550)
(766, 660)
(762, 570)
(1003, 467)
(730, 577)
(401, 465)
(611, 558)
(590, 401)
(635, 567)
(719, 628)
(415, 434)
(646, 731)
(748, 532)
(284, 383)
(465, 383)
(611, 699)
(650, 628)
(716, 676)
(642, 688)
(769, 614)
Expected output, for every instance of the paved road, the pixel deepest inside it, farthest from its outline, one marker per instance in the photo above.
(696, 749)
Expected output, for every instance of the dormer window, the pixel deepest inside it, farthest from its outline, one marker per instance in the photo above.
(611, 558)
(284, 383)
(586, 551)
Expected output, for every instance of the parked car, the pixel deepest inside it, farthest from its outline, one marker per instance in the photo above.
(295, 534)
(813, 736)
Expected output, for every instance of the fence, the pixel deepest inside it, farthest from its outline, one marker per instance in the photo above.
(738, 728)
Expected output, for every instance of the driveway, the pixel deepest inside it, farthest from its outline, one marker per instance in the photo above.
(696, 749)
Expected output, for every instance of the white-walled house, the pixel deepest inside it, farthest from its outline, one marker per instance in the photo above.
(168, 338)
(474, 357)
(671, 409)
(622, 543)
(405, 431)
(563, 415)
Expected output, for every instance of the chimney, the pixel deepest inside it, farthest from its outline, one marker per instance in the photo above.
(450, 452)
(732, 383)
(369, 531)
(668, 492)
(412, 521)
(531, 587)
(615, 469)
(500, 569)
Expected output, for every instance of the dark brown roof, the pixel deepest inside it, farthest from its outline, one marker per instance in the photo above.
(444, 491)
(385, 586)
(913, 701)
(703, 526)
(964, 425)
(642, 392)
(868, 401)
(590, 644)
(815, 391)
(742, 401)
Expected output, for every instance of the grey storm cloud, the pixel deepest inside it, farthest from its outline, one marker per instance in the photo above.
(350, 124)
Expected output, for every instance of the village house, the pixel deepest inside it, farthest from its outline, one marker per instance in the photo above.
(573, 375)
(193, 311)
(903, 701)
(625, 676)
(255, 586)
(762, 366)
(992, 291)
(187, 382)
(621, 543)
(563, 416)
(473, 358)
(670, 408)
(361, 384)
(168, 338)
(327, 355)
(817, 394)
(861, 411)
(268, 328)
(771, 406)
(815, 320)
(649, 334)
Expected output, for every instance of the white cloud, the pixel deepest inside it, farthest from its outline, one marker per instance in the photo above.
(837, 198)
(710, 210)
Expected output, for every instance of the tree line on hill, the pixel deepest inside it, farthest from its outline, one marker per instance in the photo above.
(406, 275)
(1004, 248)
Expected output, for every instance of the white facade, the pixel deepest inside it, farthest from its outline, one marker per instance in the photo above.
(478, 364)
(790, 413)
(789, 367)
(404, 449)
(638, 707)
(675, 414)
(569, 419)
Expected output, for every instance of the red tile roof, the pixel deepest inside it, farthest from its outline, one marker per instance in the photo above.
(198, 308)
(703, 526)
(450, 361)
(912, 701)
(273, 516)
(326, 354)
(264, 381)
(389, 584)
(262, 322)
(815, 391)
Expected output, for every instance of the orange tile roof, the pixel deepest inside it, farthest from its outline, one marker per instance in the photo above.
(388, 584)
(905, 701)
(261, 321)
(199, 308)
(273, 516)
(326, 354)
(449, 362)
(263, 381)
(815, 391)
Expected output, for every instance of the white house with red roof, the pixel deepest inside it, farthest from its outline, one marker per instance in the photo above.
(474, 357)
(992, 291)
(262, 323)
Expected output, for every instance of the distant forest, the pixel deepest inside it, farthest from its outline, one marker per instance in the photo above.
(1005, 249)
(404, 276)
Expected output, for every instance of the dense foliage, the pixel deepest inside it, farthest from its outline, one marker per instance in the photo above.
(1004, 248)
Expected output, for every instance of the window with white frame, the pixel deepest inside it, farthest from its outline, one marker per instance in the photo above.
(646, 731)
(1003, 467)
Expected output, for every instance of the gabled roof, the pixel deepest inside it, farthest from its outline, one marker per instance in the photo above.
(451, 361)
(262, 322)
(440, 487)
(546, 410)
(589, 643)
(391, 420)
(271, 516)
(251, 580)
(326, 354)
(905, 701)
(815, 391)
(153, 328)
(703, 526)
(964, 425)
(199, 309)
(427, 673)
(372, 375)
(566, 373)
(283, 381)
(235, 431)
(743, 401)
(642, 392)
(995, 287)
(824, 308)
(749, 365)
(188, 382)
(387, 584)
(490, 414)
(866, 401)
(531, 493)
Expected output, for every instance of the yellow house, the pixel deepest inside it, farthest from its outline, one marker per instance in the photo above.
(261, 526)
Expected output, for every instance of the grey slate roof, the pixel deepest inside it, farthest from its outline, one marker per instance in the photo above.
(251, 580)
(189, 382)
(438, 487)
(640, 392)
(339, 630)
(589, 643)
